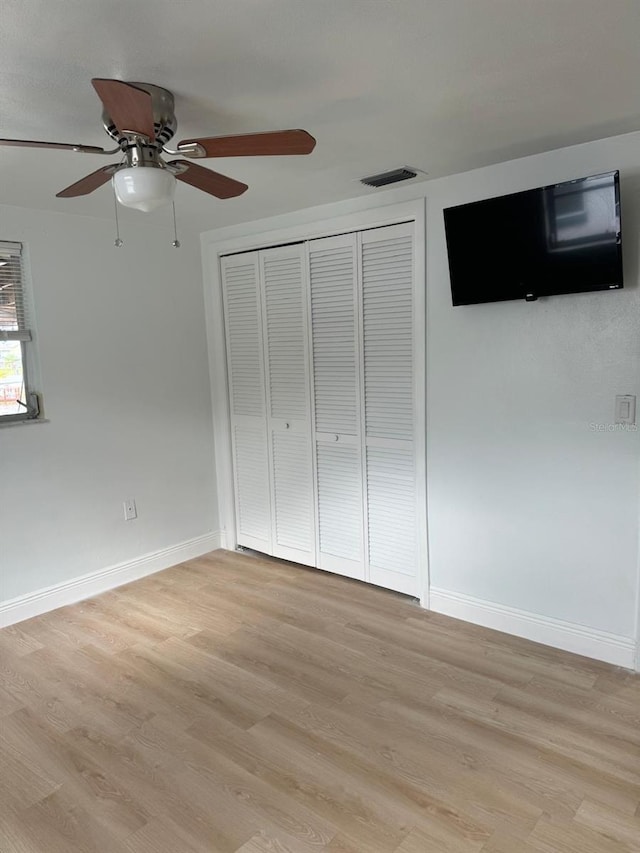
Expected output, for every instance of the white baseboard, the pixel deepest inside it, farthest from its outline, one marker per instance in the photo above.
(568, 636)
(86, 586)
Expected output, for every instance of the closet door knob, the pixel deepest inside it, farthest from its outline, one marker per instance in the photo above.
(337, 438)
(286, 426)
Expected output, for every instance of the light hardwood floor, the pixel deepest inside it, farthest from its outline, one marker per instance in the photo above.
(236, 704)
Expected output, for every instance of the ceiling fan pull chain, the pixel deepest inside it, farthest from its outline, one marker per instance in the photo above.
(117, 242)
(176, 242)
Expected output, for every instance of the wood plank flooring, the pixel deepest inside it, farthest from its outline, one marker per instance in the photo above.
(237, 704)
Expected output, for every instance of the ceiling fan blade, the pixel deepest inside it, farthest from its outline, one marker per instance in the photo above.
(208, 181)
(130, 107)
(89, 183)
(256, 144)
(62, 146)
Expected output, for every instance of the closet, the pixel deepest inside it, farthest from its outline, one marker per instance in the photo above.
(320, 358)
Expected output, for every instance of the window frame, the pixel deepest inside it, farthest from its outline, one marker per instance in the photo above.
(25, 336)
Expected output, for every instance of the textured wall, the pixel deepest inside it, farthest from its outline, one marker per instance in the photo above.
(122, 344)
(530, 504)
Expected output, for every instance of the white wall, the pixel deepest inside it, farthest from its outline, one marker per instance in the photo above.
(122, 343)
(529, 508)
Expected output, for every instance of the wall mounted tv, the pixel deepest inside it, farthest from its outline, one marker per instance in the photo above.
(564, 238)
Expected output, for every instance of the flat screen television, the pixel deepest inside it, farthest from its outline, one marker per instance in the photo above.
(564, 238)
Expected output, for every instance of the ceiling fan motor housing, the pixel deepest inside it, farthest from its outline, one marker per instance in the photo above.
(164, 118)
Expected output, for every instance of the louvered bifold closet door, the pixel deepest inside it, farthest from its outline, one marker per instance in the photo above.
(243, 324)
(335, 374)
(284, 306)
(387, 280)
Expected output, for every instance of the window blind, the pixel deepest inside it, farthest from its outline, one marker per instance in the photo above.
(14, 319)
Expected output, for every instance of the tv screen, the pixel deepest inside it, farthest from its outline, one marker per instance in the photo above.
(563, 238)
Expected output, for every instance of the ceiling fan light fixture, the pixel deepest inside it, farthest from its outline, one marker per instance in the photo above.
(144, 188)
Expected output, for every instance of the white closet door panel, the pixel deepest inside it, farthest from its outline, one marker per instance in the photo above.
(332, 269)
(293, 515)
(321, 350)
(285, 333)
(387, 281)
(391, 494)
(335, 373)
(244, 338)
(251, 467)
(284, 295)
(243, 326)
(387, 328)
(340, 509)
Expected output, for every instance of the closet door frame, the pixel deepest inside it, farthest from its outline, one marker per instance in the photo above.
(340, 219)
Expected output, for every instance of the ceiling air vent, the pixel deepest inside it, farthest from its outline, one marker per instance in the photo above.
(392, 177)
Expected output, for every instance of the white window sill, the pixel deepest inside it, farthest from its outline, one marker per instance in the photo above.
(26, 422)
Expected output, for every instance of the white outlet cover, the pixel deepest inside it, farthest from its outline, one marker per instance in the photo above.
(625, 409)
(130, 510)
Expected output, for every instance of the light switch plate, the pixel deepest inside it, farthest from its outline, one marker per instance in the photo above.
(625, 409)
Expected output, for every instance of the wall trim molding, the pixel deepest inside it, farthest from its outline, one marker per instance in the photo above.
(86, 586)
(568, 636)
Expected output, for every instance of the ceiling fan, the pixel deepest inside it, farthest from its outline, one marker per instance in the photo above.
(140, 117)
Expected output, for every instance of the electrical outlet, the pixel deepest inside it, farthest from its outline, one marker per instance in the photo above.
(130, 511)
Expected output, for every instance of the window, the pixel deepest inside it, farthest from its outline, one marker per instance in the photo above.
(18, 400)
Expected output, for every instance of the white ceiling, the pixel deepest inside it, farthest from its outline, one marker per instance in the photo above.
(442, 85)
